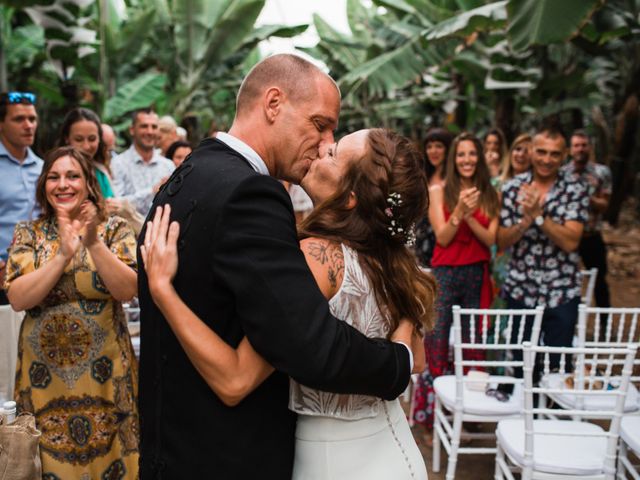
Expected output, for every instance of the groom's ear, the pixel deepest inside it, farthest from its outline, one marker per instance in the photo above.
(273, 101)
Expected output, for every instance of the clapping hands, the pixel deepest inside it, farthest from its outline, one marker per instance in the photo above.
(530, 200)
(81, 230)
(468, 201)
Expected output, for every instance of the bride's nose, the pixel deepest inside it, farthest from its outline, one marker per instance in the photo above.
(322, 149)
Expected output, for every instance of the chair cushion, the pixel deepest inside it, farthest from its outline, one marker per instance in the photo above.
(478, 403)
(630, 432)
(591, 402)
(564, 455)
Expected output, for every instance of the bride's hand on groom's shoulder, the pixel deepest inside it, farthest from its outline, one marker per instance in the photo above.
(160, 251)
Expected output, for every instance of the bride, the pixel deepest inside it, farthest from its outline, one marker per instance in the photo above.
(368, 189)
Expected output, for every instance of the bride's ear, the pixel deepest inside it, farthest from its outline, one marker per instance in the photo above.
(352, 202)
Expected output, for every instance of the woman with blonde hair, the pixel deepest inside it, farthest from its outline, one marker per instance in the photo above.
(519, 158)
(518, 161)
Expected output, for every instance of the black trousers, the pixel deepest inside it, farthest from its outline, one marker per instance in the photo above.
(557, 330)
(594, 254)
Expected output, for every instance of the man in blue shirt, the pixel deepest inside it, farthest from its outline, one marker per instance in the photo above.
(19, 168)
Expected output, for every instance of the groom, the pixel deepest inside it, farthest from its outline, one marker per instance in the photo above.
(242, 272)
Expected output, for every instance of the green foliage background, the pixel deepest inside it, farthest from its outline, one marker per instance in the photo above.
(406, 64)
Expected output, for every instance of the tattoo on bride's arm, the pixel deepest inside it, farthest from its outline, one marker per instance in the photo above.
(330, 255)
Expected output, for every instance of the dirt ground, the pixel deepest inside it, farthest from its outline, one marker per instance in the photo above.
(623, 249)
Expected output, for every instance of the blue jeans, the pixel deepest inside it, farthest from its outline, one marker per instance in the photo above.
(557, 330)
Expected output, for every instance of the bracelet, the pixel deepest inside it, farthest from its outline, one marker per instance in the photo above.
(455, 221)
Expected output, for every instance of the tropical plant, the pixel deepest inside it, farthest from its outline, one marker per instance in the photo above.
(186, 57)
(470, 64)
(207, 47)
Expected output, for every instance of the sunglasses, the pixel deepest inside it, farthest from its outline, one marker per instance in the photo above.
(502, 393)
(18, 97)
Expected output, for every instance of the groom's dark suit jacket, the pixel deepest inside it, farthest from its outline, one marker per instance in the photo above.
(242, 272)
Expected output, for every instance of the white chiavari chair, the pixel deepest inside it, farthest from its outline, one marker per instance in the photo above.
(600, 328)
(496, 333)
(629, 442)
(562, 449)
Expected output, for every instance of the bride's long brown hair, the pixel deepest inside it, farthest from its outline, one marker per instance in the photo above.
(391, 167)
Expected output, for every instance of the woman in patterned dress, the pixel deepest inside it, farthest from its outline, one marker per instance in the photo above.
(76, 371)
(368, 189)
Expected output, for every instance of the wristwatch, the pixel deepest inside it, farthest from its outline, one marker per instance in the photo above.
(539, 220)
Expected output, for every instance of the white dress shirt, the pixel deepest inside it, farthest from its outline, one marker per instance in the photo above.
(134, 179)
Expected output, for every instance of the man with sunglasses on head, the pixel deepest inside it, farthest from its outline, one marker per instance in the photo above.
(19, 168)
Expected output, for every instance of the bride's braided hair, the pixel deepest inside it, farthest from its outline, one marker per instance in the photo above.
(390, 168)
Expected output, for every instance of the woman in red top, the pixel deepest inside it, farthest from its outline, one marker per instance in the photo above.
(464, 214)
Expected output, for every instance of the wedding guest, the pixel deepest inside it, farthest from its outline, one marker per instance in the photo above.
(596, 178)
(178, 151)
(109, 139)
(70, 270)
(19, 168)
(81, 129)
(519, 158)
(167, 133)
(495, 150)
(139, 171)
(464, 214)
(542, 219)
(517, 162)
(436, 147)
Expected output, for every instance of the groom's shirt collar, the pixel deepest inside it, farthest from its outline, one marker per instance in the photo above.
(245, 150)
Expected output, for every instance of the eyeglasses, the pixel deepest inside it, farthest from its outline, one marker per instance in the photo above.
(18, 97)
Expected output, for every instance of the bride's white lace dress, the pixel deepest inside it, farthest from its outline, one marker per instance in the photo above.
(353, 436)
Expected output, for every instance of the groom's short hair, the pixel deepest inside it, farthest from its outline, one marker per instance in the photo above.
(289, 72)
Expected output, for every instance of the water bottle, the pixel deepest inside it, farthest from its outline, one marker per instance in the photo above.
(9, 411)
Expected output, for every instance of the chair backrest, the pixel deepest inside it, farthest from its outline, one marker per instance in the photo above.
(588, 285)
(582, 387)
(496, 332)
(609, 327)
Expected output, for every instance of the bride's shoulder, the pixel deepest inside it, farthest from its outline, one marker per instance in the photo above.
(326, 261)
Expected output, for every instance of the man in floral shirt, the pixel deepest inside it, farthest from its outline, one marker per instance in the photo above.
(596, 178)
(542, 219)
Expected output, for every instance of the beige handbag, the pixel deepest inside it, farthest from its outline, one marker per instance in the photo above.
(19, 450)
